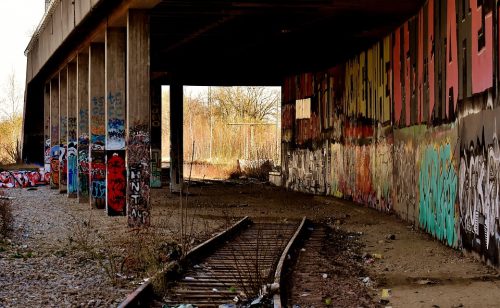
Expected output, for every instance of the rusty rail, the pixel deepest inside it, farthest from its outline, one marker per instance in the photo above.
(143, 295)
(237, 269)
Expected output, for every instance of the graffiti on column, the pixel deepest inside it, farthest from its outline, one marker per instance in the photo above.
(138, 206)
(72, 169)
(83, 168)
(97, 153)
(72, 159)
(63, 168)
(54, 166)
(116, 122)
(47, 155)
(98, 179)
(117, 183)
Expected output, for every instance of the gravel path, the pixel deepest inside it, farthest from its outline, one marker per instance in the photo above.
(39, 266)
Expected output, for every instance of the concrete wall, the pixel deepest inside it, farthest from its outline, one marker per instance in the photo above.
(408, 126)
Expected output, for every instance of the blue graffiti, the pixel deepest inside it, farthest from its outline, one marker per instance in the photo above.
(98, 189)
(72, 169)
(438, 192)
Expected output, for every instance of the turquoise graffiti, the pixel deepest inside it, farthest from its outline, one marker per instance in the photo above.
(438, 192)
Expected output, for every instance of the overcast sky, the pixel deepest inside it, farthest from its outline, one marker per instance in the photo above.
(18, 19)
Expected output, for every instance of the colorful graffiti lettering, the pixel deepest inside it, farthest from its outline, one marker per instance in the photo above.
(438, 192)
(138, 205)
(23, 179)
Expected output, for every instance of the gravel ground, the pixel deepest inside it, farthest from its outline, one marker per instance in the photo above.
(59, 251)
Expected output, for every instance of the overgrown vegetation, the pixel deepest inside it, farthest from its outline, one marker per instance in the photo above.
(11, 121)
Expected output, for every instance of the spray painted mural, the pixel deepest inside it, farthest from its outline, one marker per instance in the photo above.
(72, 159)
(23, 179)
(117, 183)
(408, 126)
(138, 206)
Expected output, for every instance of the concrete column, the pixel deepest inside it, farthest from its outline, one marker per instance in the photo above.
(116, 185)
(138, 119)
(82, 102)
(97, 126)
(176, 137)
(72, 141)
(46, 127)
(54, 132)
(63, 129)
(155, 135)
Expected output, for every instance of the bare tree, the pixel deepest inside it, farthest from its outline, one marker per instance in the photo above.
(11, 121)
(247, 103)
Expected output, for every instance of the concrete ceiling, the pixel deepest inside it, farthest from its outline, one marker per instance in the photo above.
(258, 42)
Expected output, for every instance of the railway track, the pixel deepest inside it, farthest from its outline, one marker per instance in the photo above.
(236, 268)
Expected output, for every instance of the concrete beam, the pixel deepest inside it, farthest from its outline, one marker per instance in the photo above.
(116, 188)
(97, 126)
(72, 155)
(82, 102)
(138, 119)
(63, 129)
(176, 137)
(54, 132)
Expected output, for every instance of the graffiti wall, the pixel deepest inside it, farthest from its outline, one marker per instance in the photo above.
(23, 179)
(408, 126)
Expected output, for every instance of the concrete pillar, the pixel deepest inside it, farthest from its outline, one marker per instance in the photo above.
(46, 127)
(72, 156)
(97, 126)
(155, 135)
(63, 129)
(176, 137)
(116, 185)
(138, 119)
(54, 132)
(82, 102)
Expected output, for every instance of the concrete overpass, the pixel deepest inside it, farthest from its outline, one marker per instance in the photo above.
(392, 104)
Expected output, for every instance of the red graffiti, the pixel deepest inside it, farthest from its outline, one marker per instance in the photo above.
(23, 179)
(430, 55)
(420, 68)
(397, 76)
(482, 48)
(117, 184)
(407, 60)
(451, 58)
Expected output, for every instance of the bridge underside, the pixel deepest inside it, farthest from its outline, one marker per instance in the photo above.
(393, 104)
(260, 42)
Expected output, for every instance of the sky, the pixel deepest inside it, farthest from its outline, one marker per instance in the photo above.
(18, 20)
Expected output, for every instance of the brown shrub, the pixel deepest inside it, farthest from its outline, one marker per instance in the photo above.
(6, 218)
